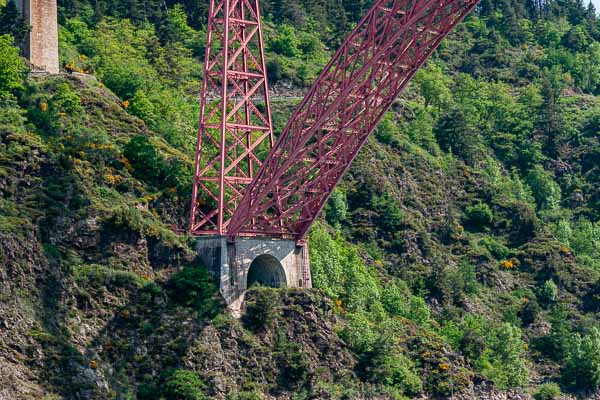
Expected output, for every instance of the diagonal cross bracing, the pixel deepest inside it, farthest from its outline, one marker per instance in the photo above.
(235, 132)
(342, 108)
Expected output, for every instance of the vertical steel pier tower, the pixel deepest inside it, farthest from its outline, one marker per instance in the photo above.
(234, 138)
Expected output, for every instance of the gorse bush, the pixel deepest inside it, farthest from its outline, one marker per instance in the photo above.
(151, 166)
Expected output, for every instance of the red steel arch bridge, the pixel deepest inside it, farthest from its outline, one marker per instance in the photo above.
(246, 184)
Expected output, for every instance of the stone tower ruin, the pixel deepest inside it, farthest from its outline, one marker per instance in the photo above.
(41, 47)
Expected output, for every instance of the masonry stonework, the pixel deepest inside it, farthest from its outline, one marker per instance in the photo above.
(270, 262)
(42, 44)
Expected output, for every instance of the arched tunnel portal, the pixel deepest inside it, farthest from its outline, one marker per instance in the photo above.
(266, 270)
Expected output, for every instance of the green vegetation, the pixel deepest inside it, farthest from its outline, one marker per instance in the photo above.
(194, 287)
(582, 367)
(184, 385)
(547, 391)
(462, 246)
(261, 310)
(11, 65)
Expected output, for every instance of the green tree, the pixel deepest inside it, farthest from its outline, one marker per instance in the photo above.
(194, 287)
(12, 67)
(261, 308)
(457, 134)
(546, 191)
(286, 43)
(434, 85)
(11, 23)
(336, 209)
(549, 292)
(387, 131)
(504, 361)
(582, 366)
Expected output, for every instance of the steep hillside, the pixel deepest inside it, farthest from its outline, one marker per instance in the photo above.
(460, 256)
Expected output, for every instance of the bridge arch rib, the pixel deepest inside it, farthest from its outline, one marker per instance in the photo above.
(341, 109)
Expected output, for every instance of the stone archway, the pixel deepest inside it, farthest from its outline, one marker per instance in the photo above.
(266, 270)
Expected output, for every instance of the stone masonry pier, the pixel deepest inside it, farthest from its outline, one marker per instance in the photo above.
(248, 261)
(41, 48)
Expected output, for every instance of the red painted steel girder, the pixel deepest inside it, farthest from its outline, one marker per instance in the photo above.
(235, 132)
(342, 108)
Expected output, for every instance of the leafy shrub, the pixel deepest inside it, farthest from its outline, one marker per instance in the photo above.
(246, 396)
(555, 344)
(582, 366)
(479, 215)
(151, 166)
(194, 287)
(397, 300)
(146, 160)
(286, 43)
(391, 216)
(292, 362)
(529, 311)
(496, 249)
(387, 131)
(381, 364)
(336, 210)
(12, 66)
(66, 100)
(546, 191)
(184, 385)
(456, 133)
(147, 391)
(142, 107)
(97, 276)
(524, 222)
(549, 292)
(275, 70)
(504, 360)
(11, 117)
(463, 280)
(586, 242)
(261, 308)
(547, 391)
(12, 23)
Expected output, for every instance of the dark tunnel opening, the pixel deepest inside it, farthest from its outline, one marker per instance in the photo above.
(266, 270)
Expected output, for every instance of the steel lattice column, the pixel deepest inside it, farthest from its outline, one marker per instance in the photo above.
(235, 132)
(342, 108)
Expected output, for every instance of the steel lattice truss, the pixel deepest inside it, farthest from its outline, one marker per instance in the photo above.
(342, 108)
(235, 131)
